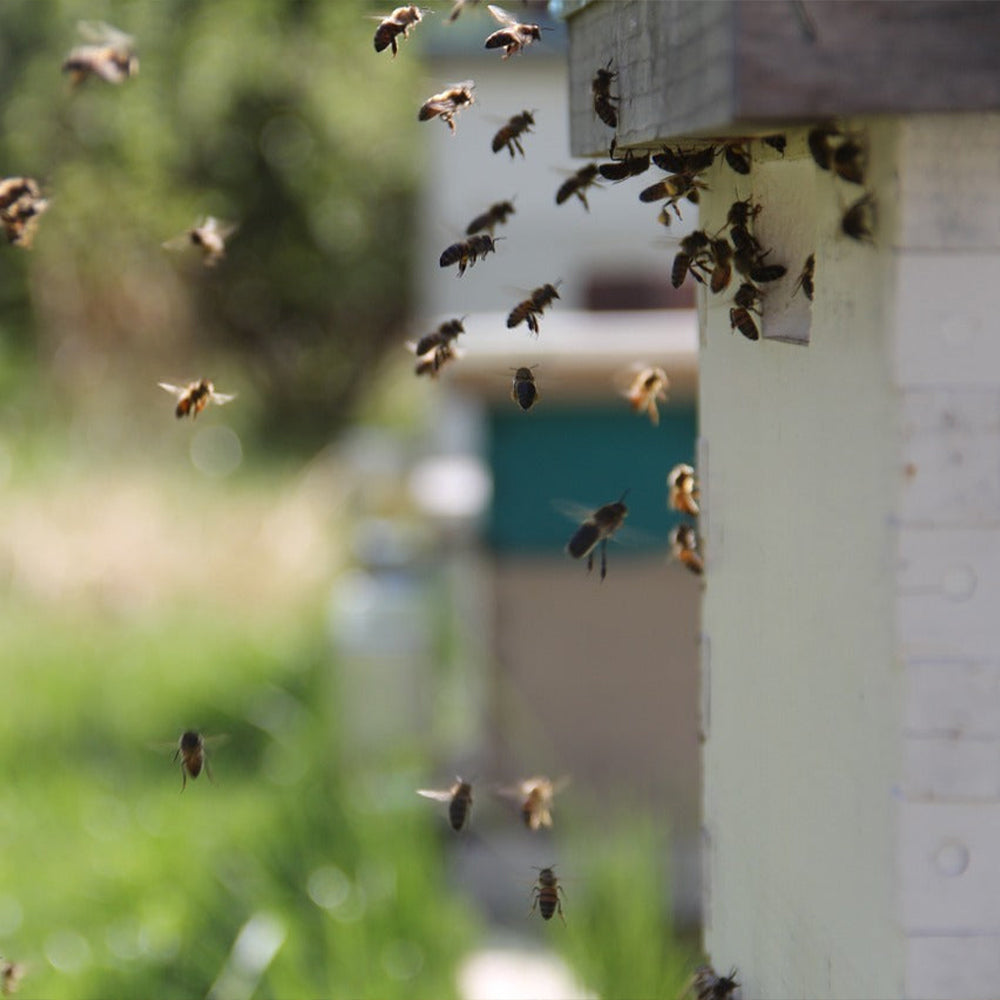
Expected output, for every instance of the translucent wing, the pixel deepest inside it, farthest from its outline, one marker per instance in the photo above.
(174, 390)
(501, 15)
(101, 33)
(439, 795)
(221, 398)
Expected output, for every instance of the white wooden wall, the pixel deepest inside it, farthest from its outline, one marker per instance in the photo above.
(851, 653)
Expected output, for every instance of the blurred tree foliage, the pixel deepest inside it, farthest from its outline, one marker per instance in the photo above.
(276, 114)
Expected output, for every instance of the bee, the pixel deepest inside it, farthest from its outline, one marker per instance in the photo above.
(533, 797)
(210, 235)
(630, 166)
(459, 6)
(763, 273)
(707, 985)
(523, 391)
(684, 547)
(494, 216)
(108, 54)
(397, 23)
(598, 528)
(546, 895)
(859, 219)
(848, 162)
(742, 213)
(805, 280)
(433, 360)
(820, 149)
(195, 396)
(722, 270)
(648, 386)
(21, 203)
(509, 135)
(674, 187)
(444, 334)
(459, 799)
(532, 307)
(691, 252)
(777, 142)
(465, 253)
(577, 185)
(741, 319)
(748, 296)
(683, 490)
(604, 103)
(10, 976)
(513, 36)
(448, 103)
(191, 750)
(737, 157)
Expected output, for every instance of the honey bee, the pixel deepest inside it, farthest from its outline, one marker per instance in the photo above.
(722, 269)
(691, 253)
(777, 142)
(459, 799)
(210, 236)
(763, 273)
(444, 334)
(191, 750)
(820, 148)
(707, 985)
(604, 103)
(546, 895)
(683, 492)
(598, 528)
(509, 135)
(848, 162)
(11, 974)
(458, 8)
(748, 296)
(108, 54)
(448, 103)
(675, 187)
(629, 166)
(805, 280)
(465, 253)
(649, 385)
(684, 547)
(859, 219)
(742, 213)
(741, 319)
(432, 361)
(532, 307)
(494, 216)
(513, 36)
(523, 391)
(195, 396)
(737, 157)
(534, 798)
(21, 203)
(397, 23)
(577, 185)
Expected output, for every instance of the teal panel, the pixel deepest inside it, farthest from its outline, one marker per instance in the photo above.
(545, 459)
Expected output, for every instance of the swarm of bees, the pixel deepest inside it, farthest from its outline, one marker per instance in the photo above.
(21, 203)
(596, 530)
(395, 24)
(109, 55)
(513, 36)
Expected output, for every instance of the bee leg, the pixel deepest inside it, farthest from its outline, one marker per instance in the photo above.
(184, 778)
(590, 561)
(208, 770)
(604, 558)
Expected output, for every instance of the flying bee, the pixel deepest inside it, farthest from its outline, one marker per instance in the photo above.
(630, 166)
(210, 235)
(707, 985)
(109, 54)
(191, 751)
(684, 547)
(776, 142)
(858, 221)
(648, 386)
(195, 396)
(11, 974)
(459, 7)
(448, 103)
(533, 797)
(546, 895)
(742, 320)
(509, 135)
(433, 360)
(683, 493)
(722, 269)
(21, 203)
(604, 103)
(737, 157)
(465, 253)
(444, 334)
(820, 149)
(577, 185)
(805, 280)
(397, 23)
(523, 391)
(494, 216)
(459, 799)
(598, 528)
(513, 36)
(848, 162)
(532, 307)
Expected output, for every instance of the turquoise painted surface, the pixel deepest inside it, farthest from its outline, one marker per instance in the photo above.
(546, 459)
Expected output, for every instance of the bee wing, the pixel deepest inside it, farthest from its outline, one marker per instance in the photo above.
(507, 20)
(222, 229)
(221, 398)
(572, 510)
(174, 390)
(101, 33)
(179, 242)
(438, 794)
